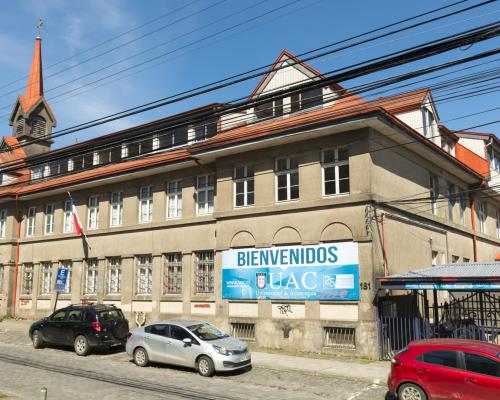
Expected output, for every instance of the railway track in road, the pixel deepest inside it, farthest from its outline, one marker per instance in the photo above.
(114, 380)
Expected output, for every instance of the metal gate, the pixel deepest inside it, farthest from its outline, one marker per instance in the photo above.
(403, 318)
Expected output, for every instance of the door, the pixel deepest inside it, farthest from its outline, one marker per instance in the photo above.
(53, 332)
(158, 343)
(181, 353)
(482, 377)
(439, 373)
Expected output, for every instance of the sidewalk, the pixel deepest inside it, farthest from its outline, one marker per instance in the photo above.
(371, 371)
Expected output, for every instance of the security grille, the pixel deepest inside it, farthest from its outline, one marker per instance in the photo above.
(205, 272)
(339, 338)
(172, 280)
(243, 330)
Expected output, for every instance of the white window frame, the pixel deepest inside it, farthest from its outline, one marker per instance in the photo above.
(144, 284)
(207, 207)
(31, 222)
(36, 173)
(335, 164)
(116, 209)
(114, 276)
(288, 172)
(156, 142)
(3, 222)
(174, 199)
(93, 212)
(27, 283)
(124, 150)
(91, 276)
(245, 180)
(46, 170)
(146, 200)
(67, 217)
(462, 199)
(71, 164)
(95, 158)
(172, 274)
(48, 223)
(481, 217)
(204, 271)
(45, 278)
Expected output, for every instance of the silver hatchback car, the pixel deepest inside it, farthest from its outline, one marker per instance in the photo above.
(188, 343)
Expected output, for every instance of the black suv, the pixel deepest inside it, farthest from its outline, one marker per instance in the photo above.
(83, 327)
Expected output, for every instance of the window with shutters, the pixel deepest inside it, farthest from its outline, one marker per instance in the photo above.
(113, 281)
(144, 275)
(172, 277)
(20, 126)
(145, 204)
(38, 126)
(174, 199)
(116, 206)
(27, 287)
(287, 179)
(48, 226)
(93, 212)
(30, 221)
(46, 278)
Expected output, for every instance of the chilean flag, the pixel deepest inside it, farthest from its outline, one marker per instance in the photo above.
(76, 219)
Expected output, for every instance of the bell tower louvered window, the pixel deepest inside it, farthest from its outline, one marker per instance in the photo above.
(38, 126)
(20, 126)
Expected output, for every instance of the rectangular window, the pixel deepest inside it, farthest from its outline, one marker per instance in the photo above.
(71, 165)
(46, 278)
(145, 204)
(93, 213)
(36, 173)
(498, 223)
(434, 185)
(454, 259)
(481, 215)
(67, 264)
(49, 219)
(243, 186)
(124, 150)
(287, 179)
(30, 221)
(435, 255)
(172, 278)
(116, 209)
(1, 278)
(335, 164)
(95, 158)
(463, 205)
(451, 200)
(174, 199)
(91, 276)
(156, 142)
(3, 222)
(114, 275)
(144, 275)
(204, 194)
(466, 260)
(27, 287)
(67, 217)
(204, 271)
(269, 110)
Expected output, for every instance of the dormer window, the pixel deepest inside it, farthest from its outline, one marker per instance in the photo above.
(38, 126)
(307, 99)
(271, 109)
(20, 126)
(428, 122)
(36, 173)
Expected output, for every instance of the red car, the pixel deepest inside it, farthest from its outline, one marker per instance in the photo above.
(446, 369)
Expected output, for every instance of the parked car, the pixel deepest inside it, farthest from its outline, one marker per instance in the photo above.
(84, 327)
(188, 343)
(446, 369)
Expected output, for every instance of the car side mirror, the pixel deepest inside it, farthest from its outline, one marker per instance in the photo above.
(187, 342)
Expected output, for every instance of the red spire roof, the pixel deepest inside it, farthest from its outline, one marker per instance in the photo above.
(34, 87)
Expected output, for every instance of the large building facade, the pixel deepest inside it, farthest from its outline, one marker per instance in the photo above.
(165, 204)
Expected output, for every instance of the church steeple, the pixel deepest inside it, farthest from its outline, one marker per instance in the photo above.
(32, 119)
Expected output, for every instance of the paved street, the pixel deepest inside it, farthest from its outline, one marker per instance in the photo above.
(111, 376)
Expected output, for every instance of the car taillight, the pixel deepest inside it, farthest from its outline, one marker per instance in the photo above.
(395, 361)
(96, 326)
(129, 335)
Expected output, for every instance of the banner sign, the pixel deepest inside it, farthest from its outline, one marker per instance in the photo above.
(61, 279)
(318, 272)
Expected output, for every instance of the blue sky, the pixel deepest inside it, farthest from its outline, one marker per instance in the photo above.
(301, 25)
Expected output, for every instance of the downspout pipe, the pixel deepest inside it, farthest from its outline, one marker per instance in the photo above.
(16, 273)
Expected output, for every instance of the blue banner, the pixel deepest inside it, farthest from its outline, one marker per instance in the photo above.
(319, 272)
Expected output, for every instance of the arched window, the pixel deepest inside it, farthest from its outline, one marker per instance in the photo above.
(38, 126)
(20, 126)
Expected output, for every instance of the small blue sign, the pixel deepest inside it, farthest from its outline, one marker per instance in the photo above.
(61, 279)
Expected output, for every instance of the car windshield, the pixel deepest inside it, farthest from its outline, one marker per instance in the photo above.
(207, 332)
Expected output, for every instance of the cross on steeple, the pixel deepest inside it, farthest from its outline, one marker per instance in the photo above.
(39, 26)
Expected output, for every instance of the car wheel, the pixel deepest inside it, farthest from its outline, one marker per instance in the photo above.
(141, 358)
(206, 366)
(410, 391)
(81, 345)
(36, 339)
